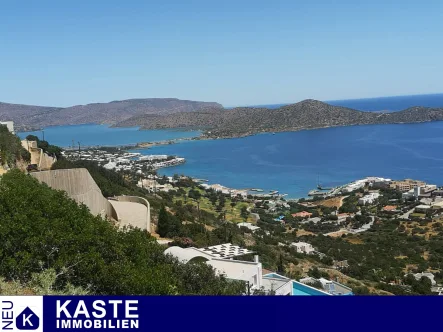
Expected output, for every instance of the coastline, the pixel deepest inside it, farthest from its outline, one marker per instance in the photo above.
(203, 136)
(148, 145)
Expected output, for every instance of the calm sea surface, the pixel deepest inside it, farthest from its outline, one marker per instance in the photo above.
(290, 162)
(92, 134)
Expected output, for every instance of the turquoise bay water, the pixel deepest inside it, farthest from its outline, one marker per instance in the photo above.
(290, 162)
(92, 134)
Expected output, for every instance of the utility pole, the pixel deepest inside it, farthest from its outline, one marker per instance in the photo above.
(78, 150)
(43, 134)
(198, 209)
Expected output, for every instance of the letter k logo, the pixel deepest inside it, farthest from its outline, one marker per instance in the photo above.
(27, 320)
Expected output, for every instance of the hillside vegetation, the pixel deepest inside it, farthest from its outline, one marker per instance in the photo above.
(11, 149)
(307, 114)
(42, 229)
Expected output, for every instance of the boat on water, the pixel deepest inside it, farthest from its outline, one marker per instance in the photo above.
(319, 187)
(273, 192)
(257, 190)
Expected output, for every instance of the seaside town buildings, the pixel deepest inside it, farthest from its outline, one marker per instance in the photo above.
(406, 185)
(124, 161)
(225, 190)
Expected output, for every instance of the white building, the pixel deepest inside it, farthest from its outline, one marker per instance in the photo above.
(248, 225)
(110, 165)
(368, 199)
(153, 157)
(9, 125)
(329, 286)
(220, 257)
(303, 247)
(422, 208)
(153, 185)
(428, 275)
(416, 192)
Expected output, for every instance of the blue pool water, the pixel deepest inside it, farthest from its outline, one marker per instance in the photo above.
(275, 275)
(301, 289)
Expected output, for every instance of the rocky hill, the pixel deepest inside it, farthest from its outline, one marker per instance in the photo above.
(303, 115)
(27, 117)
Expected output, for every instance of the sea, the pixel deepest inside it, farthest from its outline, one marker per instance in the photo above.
(292, 162)
(88, 135)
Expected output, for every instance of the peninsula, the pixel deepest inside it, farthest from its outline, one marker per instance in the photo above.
(307, 114)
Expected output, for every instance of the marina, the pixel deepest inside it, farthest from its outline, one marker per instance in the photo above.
(120, 160)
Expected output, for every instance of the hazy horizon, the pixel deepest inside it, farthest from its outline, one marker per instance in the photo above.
(67, 53)
(255, 105)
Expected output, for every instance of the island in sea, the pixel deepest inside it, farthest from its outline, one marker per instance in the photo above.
(307, 114)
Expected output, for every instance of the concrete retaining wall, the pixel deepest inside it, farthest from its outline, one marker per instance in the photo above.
(136, 217)
(80, 186)
(38, 157)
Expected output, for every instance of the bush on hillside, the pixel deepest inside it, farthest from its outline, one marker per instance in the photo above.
(41, 228)
(11, 148)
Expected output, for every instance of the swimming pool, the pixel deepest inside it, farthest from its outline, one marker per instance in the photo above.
(275, 276)
(301, 289)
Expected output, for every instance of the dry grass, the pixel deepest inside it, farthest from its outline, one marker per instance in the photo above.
(301, 232)
(209, 228)
(409, 267)
(354, 240)
(338, 233)
(333, 202)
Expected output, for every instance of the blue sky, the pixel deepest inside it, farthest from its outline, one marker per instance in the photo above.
(63, 53)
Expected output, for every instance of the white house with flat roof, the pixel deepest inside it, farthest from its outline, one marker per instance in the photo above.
(368, 199)
(303, 247)
(248, 225)
(422, 208)
(220, 257)
(329, 286)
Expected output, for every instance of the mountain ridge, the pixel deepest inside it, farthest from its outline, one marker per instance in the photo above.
(307, 114)
(28, 117)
